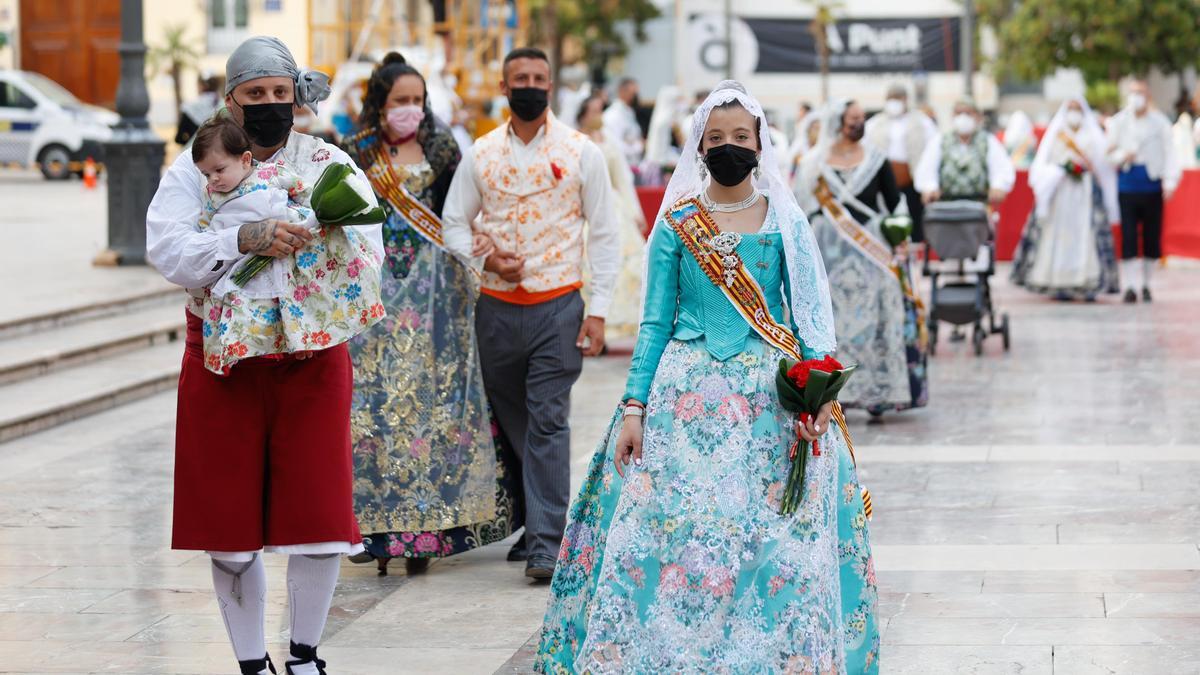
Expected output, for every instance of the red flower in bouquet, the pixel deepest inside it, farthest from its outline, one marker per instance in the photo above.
(799, 372)
(804, 387)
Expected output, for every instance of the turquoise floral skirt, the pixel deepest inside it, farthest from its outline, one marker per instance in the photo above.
(686, 566)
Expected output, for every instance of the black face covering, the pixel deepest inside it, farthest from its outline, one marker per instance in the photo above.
(528, 103)
(267, 123)
(729, 164)
(855, 132)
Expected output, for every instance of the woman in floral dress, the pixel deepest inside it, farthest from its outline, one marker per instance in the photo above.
(429, 469)
(676, 559)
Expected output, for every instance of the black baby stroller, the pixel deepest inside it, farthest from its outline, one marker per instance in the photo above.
(960, 234)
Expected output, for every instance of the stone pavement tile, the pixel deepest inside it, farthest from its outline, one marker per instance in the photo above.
(1127, 660)
(916, 630)
(18, 576)
(73, 627)
(1129, 533)
(899, 501)
(1092, 581)
(201, 628)
(898, 530)
(1166, 605)
(908, 581)
(474, 599)
(1165, 476)
(1032, 477)
(970, 660)
(414, 661)
(125, 658)
(1021, 557)
(128, 576)
(170, 601)
(1093, 453)
(985, 605)
(868, 455)
(49, 600)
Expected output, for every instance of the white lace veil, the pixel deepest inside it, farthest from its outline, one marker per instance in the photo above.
(1093, 141)
(811, 307)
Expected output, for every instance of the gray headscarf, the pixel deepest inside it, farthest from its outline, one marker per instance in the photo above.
(263, 56)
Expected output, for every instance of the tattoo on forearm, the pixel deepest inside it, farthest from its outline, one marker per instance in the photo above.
(256, 237)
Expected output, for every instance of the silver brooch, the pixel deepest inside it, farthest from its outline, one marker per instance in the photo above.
(726, 244)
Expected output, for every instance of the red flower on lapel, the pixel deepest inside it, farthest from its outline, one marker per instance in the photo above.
(557, 170)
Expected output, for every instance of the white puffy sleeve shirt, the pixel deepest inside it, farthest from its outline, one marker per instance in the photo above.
(194, 258)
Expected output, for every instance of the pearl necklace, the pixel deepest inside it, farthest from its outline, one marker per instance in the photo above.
(734, 207)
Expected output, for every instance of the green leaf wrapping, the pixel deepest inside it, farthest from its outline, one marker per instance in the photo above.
(822, 388)
(896, 229)
(335, 202)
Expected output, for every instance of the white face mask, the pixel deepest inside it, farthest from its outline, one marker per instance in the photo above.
(1137, 101)
(1074, 118)
(894, 107)
(964, 124)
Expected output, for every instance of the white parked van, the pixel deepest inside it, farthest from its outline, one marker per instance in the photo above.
(44, 125)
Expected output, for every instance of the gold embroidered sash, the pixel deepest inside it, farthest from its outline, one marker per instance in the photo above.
(1071, 145)
(724, 267)
(388, 184)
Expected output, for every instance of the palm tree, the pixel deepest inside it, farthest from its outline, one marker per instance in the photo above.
(176, 55)
(823, 19)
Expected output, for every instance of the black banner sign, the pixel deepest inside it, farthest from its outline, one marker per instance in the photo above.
(858, 46)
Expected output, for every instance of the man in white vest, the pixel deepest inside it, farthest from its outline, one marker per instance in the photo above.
(537, 188)
(902, 134)
(1140, 146)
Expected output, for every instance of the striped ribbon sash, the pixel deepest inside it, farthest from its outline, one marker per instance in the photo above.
(389, 185)
(724, 267)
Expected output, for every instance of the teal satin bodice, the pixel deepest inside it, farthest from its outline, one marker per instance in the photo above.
(684, 304)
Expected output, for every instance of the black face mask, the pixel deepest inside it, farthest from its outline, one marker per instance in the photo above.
(528, 103)
(267, 123)
(855, 132)
(729, 164)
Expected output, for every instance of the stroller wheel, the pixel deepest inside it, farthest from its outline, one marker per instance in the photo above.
(1004, 331)
(977, 336)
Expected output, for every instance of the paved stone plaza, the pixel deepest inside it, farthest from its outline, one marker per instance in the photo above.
(1041, 516)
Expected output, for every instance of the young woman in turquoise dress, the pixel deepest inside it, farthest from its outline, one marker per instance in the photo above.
(676, 558)
(430, 472)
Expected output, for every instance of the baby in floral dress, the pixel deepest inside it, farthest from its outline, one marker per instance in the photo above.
(320, 297)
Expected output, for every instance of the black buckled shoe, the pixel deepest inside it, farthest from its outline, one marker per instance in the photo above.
(257, 666)
(301, 655)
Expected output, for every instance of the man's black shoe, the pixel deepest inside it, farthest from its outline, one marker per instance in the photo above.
(1146, 295)
(1130, 297)
(540, 567)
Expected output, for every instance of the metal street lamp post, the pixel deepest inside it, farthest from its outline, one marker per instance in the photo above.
(134, 156)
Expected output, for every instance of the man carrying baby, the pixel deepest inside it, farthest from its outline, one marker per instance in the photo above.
(280, 420)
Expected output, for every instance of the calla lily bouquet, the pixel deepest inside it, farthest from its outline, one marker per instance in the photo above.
(336, 200)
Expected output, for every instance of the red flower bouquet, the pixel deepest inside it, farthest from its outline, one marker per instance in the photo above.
(804, 387)
(1074, 169)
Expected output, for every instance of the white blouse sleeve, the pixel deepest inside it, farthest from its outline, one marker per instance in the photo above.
(175, 245)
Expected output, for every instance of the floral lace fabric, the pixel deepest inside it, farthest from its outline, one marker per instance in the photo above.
(686, 566)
